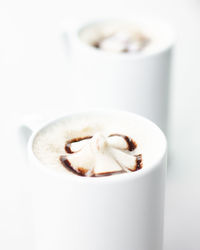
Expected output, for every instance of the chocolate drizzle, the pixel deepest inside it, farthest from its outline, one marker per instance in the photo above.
(81, 171)
(131, 144)
(139, 161)
(69, 142)
(108, 173)
(96, 45)
(67, 164)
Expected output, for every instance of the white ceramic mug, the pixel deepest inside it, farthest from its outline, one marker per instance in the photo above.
(137, 83)
(119, 212)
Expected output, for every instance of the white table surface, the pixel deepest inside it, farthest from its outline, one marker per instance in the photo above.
(33, 78)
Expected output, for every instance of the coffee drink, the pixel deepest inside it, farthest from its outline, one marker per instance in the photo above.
(94, 146)
(117, 37)
(98, 182)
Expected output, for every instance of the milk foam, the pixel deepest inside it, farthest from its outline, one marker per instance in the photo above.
(50, 141)
(118, 36)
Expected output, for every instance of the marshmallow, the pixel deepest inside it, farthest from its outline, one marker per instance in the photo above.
(112, 44)
(100, 155)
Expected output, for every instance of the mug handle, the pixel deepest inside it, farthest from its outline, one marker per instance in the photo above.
(28, 125)
(68, 29)
(65, 40)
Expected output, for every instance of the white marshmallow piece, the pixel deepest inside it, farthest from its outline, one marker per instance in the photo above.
(111, 44)
(101, 155)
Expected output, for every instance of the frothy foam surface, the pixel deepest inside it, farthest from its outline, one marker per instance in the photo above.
(123, 36)
(49, 143)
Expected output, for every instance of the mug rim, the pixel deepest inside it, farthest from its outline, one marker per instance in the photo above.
(113, 178)
(124, 56)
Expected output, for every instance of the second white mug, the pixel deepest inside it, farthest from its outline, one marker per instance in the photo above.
(134, 82)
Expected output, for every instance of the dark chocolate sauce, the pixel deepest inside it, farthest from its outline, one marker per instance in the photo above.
(139, 161)
(131, 144)
(68, 166)
(96, 45)
(69, 142)
(108, 173)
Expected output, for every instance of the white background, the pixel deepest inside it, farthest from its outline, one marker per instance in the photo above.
(33, 78)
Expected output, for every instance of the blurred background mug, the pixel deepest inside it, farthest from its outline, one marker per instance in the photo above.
(137, 82)
(123, 211)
